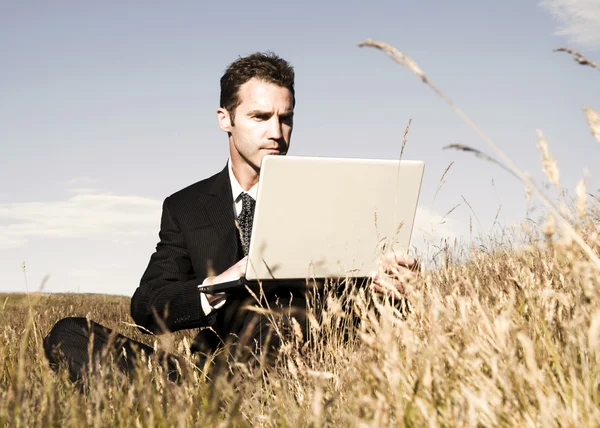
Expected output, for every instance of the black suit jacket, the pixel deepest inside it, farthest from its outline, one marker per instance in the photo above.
(197, 231)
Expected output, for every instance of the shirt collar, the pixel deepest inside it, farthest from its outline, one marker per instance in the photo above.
(236, 188)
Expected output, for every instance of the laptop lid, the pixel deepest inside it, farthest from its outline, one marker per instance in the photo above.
(330, 217)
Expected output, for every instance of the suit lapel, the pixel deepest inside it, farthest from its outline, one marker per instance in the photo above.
(219, 207)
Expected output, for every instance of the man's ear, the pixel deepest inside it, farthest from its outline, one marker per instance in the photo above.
(224, 119)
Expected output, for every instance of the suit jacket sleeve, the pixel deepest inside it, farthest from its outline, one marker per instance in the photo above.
(168, 293)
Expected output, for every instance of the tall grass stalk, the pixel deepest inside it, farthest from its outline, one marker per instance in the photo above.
(408, 62)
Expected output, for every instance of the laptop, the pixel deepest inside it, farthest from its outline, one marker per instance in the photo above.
(318, 218)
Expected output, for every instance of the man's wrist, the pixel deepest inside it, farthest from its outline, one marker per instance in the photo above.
(210, 302)
(205, 304)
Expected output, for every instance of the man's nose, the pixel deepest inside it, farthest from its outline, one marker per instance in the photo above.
(275, 129)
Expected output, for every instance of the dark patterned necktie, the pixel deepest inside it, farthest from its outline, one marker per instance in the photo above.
(245, 220)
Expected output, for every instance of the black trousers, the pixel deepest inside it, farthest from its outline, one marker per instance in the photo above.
(238, 332)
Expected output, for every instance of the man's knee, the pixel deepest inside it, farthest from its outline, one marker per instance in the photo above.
(67, 339)
(64, 330)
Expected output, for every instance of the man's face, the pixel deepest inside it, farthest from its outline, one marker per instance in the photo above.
(263, 122)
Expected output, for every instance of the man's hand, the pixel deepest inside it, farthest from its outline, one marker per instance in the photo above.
(236, 271)
(395, 272)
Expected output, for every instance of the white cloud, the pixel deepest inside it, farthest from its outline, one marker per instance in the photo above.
(579, 20)
(82, 180)
(86, 214)
(85, 190)
(431, 227)
(430, 231)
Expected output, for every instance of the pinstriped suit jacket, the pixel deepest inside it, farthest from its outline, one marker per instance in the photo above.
(197, 230)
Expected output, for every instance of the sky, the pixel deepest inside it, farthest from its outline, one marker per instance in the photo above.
(107, 108)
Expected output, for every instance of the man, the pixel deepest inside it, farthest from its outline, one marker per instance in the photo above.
(204, 235)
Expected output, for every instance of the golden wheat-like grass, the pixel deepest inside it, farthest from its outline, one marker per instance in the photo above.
(593, 119)
(507, 338)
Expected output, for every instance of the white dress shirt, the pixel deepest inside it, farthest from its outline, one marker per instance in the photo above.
(236, 193)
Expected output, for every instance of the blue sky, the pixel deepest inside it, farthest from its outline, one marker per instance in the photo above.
(106, 109)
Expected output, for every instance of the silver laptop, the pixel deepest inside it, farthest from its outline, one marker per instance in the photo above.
(321, 218)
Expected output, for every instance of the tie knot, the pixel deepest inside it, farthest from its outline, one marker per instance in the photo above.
(247, 202)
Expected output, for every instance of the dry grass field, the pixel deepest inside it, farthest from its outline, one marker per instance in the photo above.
(508, 336)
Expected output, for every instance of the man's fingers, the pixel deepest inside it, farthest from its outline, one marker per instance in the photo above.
(388, 291)
(411, 263)
(404, 261)
(408, 262)
(392, 261)
(391, 269)
(387, 282)
(402, 275)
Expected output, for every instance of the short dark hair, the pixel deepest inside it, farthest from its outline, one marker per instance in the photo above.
(265, 66)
